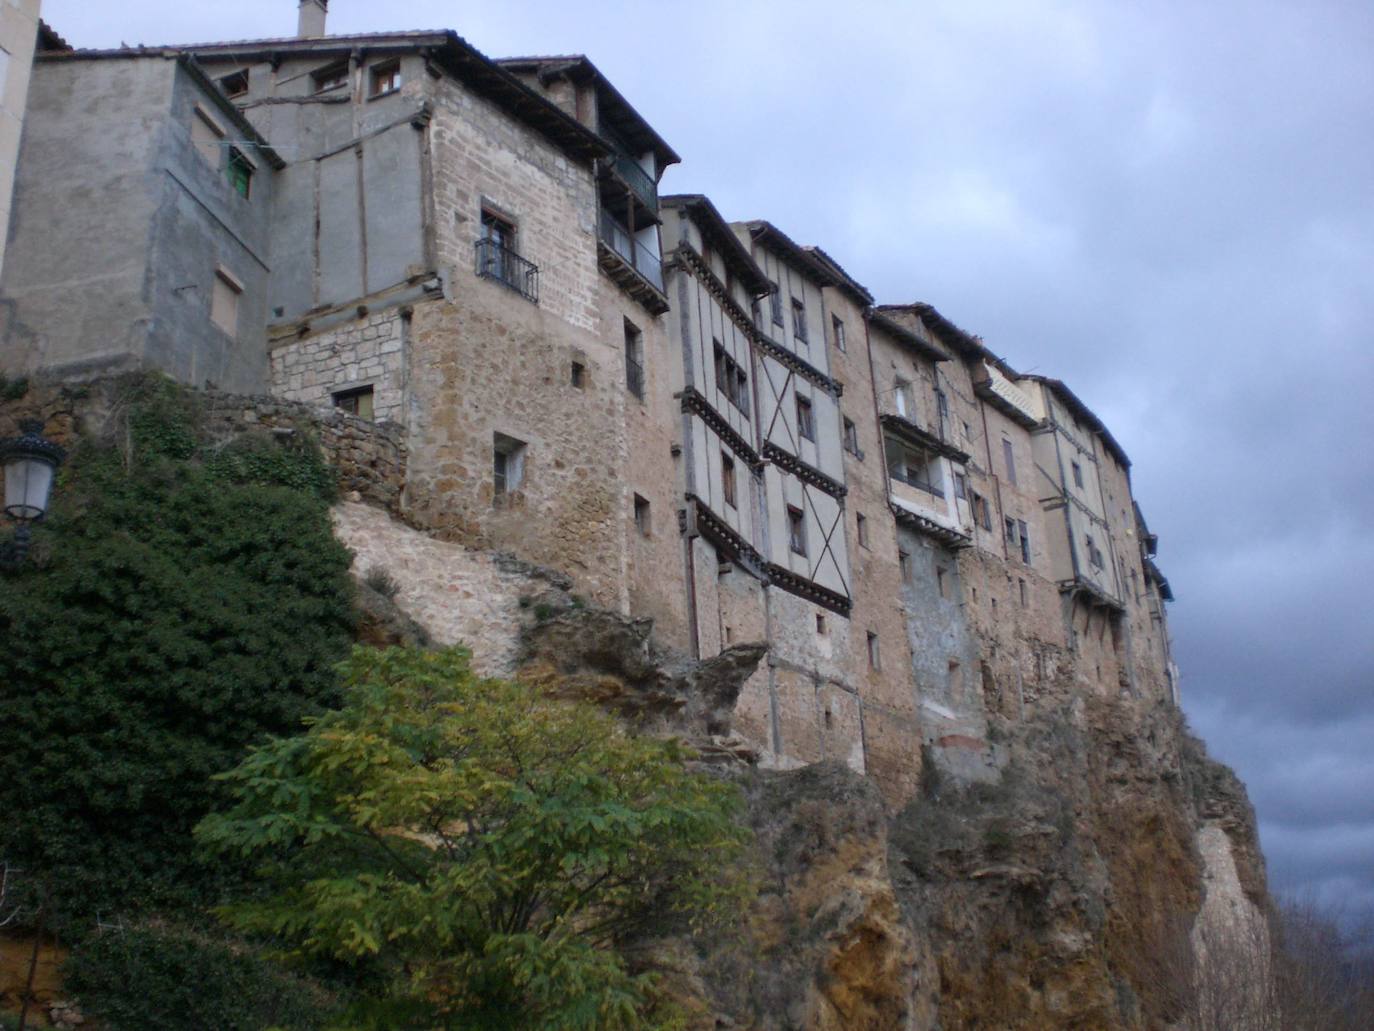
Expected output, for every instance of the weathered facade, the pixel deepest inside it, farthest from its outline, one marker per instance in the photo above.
(702, 423)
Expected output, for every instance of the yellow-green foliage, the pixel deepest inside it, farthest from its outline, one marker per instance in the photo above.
(480, 852)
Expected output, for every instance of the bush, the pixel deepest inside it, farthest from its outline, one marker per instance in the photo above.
(484, 854)
(162, 979)
(174, 613)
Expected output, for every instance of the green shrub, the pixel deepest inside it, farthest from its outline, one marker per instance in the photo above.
(164, 979)
(175, 611)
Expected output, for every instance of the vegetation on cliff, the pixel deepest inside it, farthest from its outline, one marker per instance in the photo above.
(479, 853)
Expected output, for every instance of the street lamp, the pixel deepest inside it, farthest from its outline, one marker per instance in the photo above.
(29, 460)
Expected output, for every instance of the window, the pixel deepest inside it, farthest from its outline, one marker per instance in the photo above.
(741, 392)
(331, 77)
(874, 658)
(634, 360)
(1077, 475)
(356, 402)
(508, 464)
(722, 372)
(796, 530)
(208, 138)
(903, 398)
(235, 84)
(904, 565)
(837, 331)
(386, 78)
(1025, 600)
(862, 524)
(775, 302)
(982, 511)
(851, 438)
(820, 623)
(727, 478)
(799, 320)
(642, 521)
(240, 172)
(731, 380)
(579, 375)
(1010, 461)
(1010, 525)
(224, 302)
(942, 581)
(960, 486)
(942, 407)
(499, 229)
(1023, 535)
(806, 424)
(1094, 555)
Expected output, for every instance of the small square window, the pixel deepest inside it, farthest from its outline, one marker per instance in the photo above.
(331, 77)
(240, 171)
(643, 522)
(874, 658)
(356, 402)
(806, 424)
(796, 530)
(862, 524)
(386, 78)
(508, 464)
(727, 478)
(837, 331)
(578, 377)
(235, 84)
(224, 303)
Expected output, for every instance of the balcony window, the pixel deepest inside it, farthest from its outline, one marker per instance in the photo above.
(498, 259)
(914, 468)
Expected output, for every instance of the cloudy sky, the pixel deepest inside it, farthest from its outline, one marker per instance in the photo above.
(1168, 205)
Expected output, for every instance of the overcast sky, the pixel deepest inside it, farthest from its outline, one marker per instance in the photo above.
(1168, 205)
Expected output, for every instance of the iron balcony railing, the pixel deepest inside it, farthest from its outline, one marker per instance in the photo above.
(505, 266)
(640, 181)
(639, 257)
(912, 481)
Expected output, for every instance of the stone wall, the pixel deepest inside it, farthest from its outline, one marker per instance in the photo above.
(365, 352)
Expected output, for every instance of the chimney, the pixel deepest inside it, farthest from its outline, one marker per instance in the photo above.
(311, 21)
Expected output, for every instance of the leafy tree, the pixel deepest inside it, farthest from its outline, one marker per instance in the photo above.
(482, 853)
(182, 602)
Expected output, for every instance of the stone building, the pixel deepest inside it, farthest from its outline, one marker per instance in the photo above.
(700, 422)
(19, 31)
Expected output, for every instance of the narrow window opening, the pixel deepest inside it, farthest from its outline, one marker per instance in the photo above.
(862, 524)
(851, 438)
(904, 565)
(729, 635)
(806, 424)
(796, 530)
(1010, 526)
(1025, 600)
(634, 360)
(775, 302)
(579, 375)
(727, 478)
(799, 320)
(960, 487)
(356, 402)
(240, 172)
(1009, 459)
(1077, 475)
(820, 623)
(837, 328)
(642, 521)
(508, 464)
(874, 658)
(942, 581)
(1023, 535)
